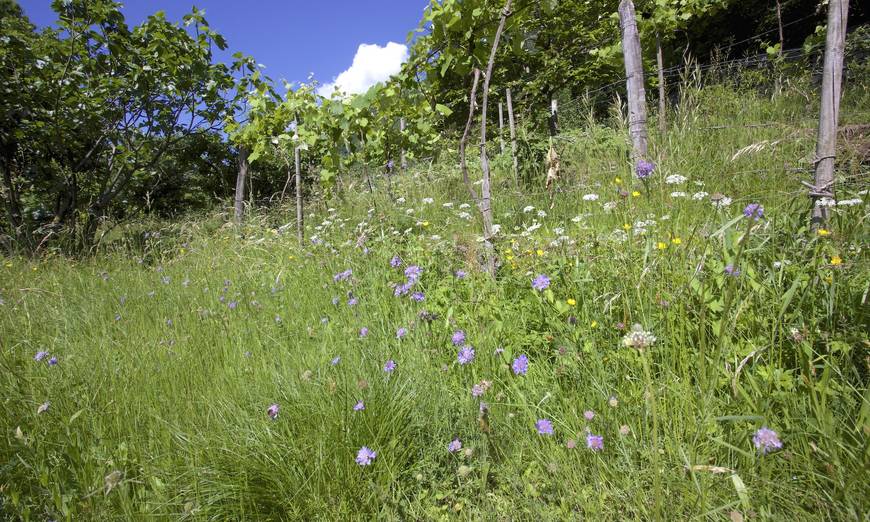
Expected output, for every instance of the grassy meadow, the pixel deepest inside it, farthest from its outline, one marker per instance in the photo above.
(166, 351)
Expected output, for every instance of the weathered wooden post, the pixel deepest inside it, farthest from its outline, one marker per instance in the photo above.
(779, 23)
(240, 185)
(663, 121)
(634, 80)
(402, 161)
(510, 108)
(300, 234)
(500, 128)
(832, 79)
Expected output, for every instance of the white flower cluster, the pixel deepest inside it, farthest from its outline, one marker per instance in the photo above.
(638, 338)
(698, 196)
(675, 179)
(590, 197)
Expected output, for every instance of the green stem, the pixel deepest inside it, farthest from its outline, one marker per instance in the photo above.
(651, 400)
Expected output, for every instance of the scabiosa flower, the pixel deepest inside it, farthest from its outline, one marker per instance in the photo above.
(353, 301)
(389, 366)
(521, 365)
(466, 355)
(541, 282)
(272, 411)
(732, 271)
(40, 355)
(365, 456)
(589, 415)
(359, 406)
(638, 338)
(454, 446)
(644, 169)
(232, 305)
(342, 276)
(363, 331)
(418, 297)
(595, 442)
(458, 338)
(402, 289)
(766, 440)
(396, 262)
(52, 361)
(413, 273)
(754, 211)
(460, 274)
(336, 360)
(544, 427)
(401, 332)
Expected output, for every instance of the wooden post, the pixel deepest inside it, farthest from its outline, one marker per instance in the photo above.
(300, 234)
(500, 128)
(485, 192)
(634, 80)
(832, 78)
(402, 162)
(779, 22)
(510, 108)
(663, 122)
(240, 185)
(554, 116)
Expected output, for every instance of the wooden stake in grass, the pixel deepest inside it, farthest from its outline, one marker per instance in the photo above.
(240, 185)
(634, 80)
(403, 163)
(500, 128)
(510, 108)
(832, 79)
(300, 234)
(663, 122)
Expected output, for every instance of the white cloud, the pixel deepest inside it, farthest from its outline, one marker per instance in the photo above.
(371, 64)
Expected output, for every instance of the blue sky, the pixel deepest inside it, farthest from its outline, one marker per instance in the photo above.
(295, 37)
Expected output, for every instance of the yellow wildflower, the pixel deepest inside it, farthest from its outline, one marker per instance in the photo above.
(571, 301)
(635, 194)
(824, 232)
(540, 252)
(661, 245)
(836, 261)
(676, 241)
(617, 180)
(626, 226)
(593, 324)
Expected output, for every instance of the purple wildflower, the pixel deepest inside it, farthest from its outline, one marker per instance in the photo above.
(521, 365)
(589, 415)
(363, 331)
(272, 411)
(644, 169)
(732, 270)
(365, 456)
(40, 355)
(595, 442)
(396, 262)
(389, 366)
(418, 297)
(232, 305)
(413, 273)
(454, 446)
(352, 301)
(544, 427)
(402, 289)
(458, 338)
(359, 406)
(766, 440)
(541, 282)
(342, 276)
(460, 274)
(754, 211)
(52, 361)
(466, 355)
(336, 360)
(401, 332)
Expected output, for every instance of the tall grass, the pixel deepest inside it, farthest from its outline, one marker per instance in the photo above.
(168, 357)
